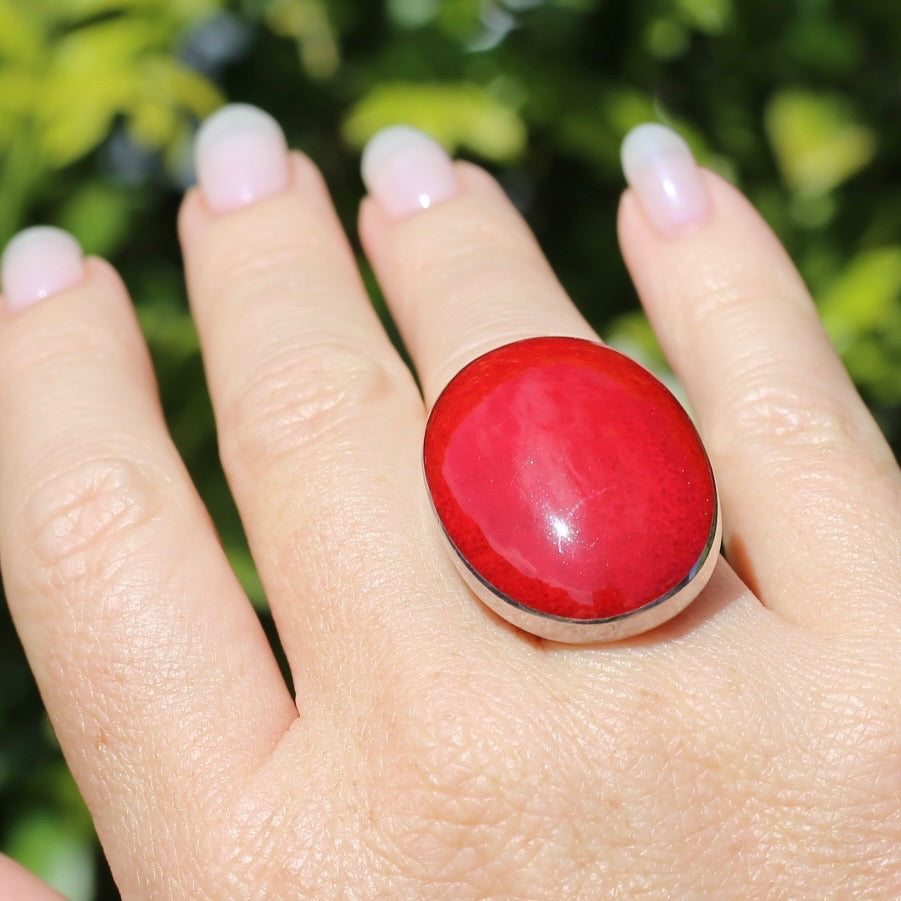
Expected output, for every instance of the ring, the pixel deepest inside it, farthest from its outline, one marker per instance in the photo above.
(573, 490)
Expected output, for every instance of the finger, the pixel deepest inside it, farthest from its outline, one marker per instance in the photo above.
(319, 420)
(17, 884)
(155, 672)
(810, 490)
(466, 277)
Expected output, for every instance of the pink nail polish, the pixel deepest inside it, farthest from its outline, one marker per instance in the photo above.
(38, 263)
(406, 171)
(660, 168)
(241, 157)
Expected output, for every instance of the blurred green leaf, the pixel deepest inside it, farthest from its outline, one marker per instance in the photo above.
(58, 846)
(864, 296)
(460, 18)
(624, 108)
(164, 92)
(817, 139)
(169, 331)
(412, 13)
(308, 23)
(632, 334)
(68, 87)
(59, 855)
(862, 313)
(824, 43)
(98, 214)
(67, 135)
(457, 115)
(246, 571)
(710, 16)
(666, 38)
(174, 12)
(21, 38)
(18, 90)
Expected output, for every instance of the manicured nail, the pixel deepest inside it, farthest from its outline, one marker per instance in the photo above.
(663, 173)
(37, 263)
(241, 156)
(406, 170)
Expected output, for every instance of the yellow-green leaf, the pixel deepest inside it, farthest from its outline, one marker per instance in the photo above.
(164, 90)
(106, 44)
(21, 39)
(168, 330)
(709, 16)
(862, 313)
(98, 214)
(457, 115)
(60, 853)
(178, 12)
(182, 87)
(864, 296)
(75, 114)
(18, 89)
(817, 139)
(308, 23)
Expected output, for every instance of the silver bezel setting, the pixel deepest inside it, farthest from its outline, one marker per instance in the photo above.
(588, 631)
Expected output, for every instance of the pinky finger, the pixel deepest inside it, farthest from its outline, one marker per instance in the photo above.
(809, 488)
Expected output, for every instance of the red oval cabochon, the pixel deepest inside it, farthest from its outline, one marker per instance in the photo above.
(569, 479)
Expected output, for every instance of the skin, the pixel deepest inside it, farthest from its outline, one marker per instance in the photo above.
(748, 748)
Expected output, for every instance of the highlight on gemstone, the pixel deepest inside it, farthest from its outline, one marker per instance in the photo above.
(569, 481)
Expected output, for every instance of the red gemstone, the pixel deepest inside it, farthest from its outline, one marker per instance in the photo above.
(569, 479)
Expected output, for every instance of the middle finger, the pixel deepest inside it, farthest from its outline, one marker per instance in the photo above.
(318, 418)
(463, 278)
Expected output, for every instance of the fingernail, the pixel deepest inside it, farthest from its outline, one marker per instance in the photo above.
(406, 171)
(241, 156)
(660, 168)
(38, 263)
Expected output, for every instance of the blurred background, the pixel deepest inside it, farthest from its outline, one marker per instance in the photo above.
(796, 101)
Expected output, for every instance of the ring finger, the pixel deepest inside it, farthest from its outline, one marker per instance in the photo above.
(464, 279)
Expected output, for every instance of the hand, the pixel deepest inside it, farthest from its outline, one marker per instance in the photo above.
(747, 748)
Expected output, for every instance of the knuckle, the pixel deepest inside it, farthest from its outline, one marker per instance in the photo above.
(716, 298)
(299, 399)
(780, 412)
(84, 524)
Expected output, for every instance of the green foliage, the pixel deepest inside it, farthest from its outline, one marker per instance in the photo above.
(816, 139)
(69, 71)
(862, 313)
(795, 101)
(308, 24)
(462, 116)
(57, 841)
